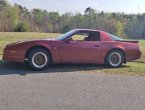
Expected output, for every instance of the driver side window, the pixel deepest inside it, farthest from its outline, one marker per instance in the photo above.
(80, 36)
(86, 36)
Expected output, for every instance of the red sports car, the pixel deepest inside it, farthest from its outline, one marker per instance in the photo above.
(76, 46)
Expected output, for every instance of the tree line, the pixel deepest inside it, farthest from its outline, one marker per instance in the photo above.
(17, 18)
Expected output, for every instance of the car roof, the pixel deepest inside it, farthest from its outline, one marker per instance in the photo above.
(88, 30)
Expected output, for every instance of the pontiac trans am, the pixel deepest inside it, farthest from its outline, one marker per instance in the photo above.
(76, 46)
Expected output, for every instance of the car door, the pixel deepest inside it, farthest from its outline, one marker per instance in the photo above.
(89, 51)
(80, 51)
(69, 51)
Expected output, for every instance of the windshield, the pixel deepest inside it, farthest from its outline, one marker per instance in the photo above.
(65, 35)
(115, 37)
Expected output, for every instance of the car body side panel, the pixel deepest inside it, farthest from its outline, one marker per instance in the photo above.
(107, 46)
(80, 51)
(17, 52)
(133, 52)
(86, 54)
(105, 36)
(69, 51)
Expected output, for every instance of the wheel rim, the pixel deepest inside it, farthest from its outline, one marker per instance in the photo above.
(115, 59)
(39, 60)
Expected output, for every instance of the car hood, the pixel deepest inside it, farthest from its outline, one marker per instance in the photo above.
(28, 41)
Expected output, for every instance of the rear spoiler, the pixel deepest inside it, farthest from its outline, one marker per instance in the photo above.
(131, 41)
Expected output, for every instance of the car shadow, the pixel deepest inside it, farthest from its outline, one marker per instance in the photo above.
(140, 61)
(11, 68)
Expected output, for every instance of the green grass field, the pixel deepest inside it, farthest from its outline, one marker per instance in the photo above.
(131, 68)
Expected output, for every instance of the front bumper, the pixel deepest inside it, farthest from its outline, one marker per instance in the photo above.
(12, 55)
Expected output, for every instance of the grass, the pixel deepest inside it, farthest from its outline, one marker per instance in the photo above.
(131, 69)
(136, 68)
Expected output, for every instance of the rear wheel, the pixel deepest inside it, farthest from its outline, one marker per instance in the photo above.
(115, 58)
(39, 59)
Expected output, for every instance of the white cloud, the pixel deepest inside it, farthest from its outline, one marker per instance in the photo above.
(30, 0)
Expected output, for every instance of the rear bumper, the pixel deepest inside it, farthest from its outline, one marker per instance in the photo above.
(134, 56)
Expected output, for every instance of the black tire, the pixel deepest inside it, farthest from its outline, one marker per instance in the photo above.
(114, 59)
(39, 59)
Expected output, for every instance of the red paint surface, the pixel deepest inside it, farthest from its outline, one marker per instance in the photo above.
(74, 51)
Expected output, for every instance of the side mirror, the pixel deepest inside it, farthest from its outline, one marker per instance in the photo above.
(68, 40)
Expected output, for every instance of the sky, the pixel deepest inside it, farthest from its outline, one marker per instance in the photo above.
(75, 6)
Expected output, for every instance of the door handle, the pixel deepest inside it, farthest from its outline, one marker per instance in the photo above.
(96, 45)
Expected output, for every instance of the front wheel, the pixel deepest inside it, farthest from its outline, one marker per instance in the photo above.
(39, 59)
(115, 59)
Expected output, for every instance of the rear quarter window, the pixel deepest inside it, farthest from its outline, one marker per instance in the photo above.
(116, 38)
